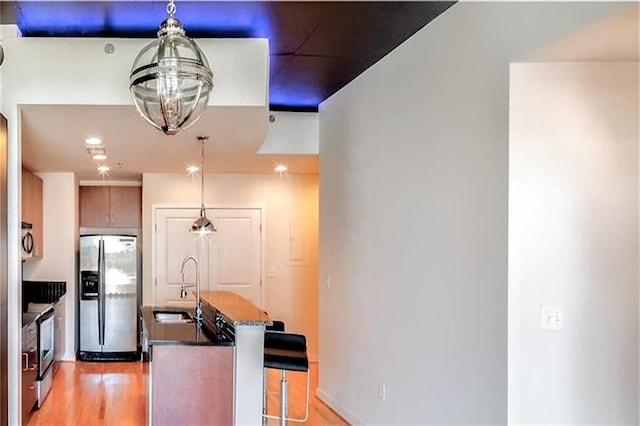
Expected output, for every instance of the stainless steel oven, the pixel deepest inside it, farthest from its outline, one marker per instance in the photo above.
(46, 349)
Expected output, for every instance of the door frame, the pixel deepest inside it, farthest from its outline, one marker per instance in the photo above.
(186, 206)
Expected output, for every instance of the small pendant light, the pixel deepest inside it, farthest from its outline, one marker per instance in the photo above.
(202, 225)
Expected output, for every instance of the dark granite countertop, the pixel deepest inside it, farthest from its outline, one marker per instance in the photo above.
(158, 333)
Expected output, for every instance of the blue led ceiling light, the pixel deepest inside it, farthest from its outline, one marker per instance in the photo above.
(137, 19)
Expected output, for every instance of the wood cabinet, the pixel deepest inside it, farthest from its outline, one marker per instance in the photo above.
(191, 385)
(111, 206)
(32, 209)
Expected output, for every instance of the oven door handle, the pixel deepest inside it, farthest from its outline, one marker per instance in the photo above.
(45, 316)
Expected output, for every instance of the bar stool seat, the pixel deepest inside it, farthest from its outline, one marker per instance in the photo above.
(286, 352)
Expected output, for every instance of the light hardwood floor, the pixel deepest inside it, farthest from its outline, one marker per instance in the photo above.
(101, 394)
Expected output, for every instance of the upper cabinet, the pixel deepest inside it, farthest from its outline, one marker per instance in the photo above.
(110, 206)
(32, 208)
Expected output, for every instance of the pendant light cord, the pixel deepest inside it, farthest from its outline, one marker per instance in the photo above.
(202, 140)
(202, 174)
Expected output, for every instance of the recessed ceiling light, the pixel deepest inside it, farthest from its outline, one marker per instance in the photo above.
(103, 169)
(93, 141)
(280, 168)
(100, 157)
(192, 169)
(94, 150)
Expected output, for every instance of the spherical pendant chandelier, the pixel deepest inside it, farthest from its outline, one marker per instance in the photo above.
(170, 79)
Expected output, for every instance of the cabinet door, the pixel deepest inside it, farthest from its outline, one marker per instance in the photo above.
(126, 206)
(27, 198)
(32, 208)
(94, 206)
(192, 385)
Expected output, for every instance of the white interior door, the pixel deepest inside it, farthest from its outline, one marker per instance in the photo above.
(235, 255)
(174, 242)
(229, 259)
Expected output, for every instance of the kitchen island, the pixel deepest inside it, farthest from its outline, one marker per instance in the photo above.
(208, 374)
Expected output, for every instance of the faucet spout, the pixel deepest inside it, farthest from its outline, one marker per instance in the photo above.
(183, 292)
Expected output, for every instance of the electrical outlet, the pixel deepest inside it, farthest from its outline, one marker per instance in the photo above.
(327, 282)
(552, 318)
(382, 392)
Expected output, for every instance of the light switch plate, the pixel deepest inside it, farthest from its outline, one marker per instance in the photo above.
(552, 318)
(271, 272)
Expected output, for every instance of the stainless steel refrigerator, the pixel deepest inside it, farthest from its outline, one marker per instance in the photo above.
(109, 297)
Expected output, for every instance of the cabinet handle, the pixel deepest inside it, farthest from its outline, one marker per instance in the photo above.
(25, 361)
(33, 367)
(32, 387)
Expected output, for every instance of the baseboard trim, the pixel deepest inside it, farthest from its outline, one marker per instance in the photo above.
(341, 410)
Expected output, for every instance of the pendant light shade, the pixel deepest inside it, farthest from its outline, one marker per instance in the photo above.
(170, 79)
(202, 225)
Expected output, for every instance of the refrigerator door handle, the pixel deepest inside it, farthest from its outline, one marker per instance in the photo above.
(101, 295)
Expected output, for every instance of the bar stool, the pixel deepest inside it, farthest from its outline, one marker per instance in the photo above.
(276, 325)
(285, 352)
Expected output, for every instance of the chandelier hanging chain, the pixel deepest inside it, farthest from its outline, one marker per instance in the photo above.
(171, 8)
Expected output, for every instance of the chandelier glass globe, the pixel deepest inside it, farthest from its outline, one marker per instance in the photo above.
(170, 79)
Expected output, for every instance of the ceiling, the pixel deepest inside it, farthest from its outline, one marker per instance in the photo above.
(134, 146)
(615, 39)
(315, 49)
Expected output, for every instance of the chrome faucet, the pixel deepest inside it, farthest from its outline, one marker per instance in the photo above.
(183, 291)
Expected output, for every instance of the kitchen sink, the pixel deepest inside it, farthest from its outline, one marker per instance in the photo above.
(172, 316)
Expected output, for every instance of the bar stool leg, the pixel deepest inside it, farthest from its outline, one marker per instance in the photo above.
(283, 398)
(265, 389)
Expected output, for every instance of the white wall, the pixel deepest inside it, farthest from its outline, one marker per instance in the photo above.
(79, 72)
(292, 133)
(573, 242)
(413, 219)
(60, 235)
(292, 295)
